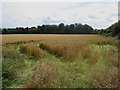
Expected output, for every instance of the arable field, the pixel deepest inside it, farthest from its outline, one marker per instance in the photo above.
(59, 61)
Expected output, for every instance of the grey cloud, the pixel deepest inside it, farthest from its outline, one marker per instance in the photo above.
(92, 17)
(115, 14)
(15, 20)
(29, 18)
(48, 20)
(109, 20)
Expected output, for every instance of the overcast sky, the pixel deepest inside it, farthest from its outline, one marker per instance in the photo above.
(96, 14)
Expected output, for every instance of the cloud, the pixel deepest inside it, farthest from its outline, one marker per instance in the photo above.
(49, 20)
(60, 0)
(98, 15)
(92, 16)
(109, 20)
(0, 14)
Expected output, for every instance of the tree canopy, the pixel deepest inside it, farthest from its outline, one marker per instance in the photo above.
(113, 30)
(76, 28)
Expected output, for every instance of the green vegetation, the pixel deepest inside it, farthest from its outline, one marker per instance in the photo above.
(61, 63)
(113, 30)
(76, 28)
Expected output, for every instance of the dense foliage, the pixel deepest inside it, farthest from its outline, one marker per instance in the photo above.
(113, 30)
(51, 29)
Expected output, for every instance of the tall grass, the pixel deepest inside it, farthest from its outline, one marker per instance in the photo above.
(32, 50)
(10, 52)
(104, 41)
(68, 52)
(44, 76)
(104, 73)
(94, 61)
(104, 77)
(113, 57)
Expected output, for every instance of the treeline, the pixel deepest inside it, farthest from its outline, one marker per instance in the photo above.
(76, 28)
(113, 30)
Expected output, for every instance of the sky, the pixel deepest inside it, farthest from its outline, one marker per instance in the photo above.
(27, 14)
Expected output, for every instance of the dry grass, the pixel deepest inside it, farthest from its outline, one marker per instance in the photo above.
(71, 52)
(105, 72)
(32, 49)
(113, 57)
(6, 51)
(105, 78)
(44, 76)
(104, 41)
(90, 48)
(52, 37)
(9, 51)
(85, 51)
(88, 54)
(68, 52)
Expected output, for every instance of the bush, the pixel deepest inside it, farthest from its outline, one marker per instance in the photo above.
(43, 46)
(119, 36)
(22, 49)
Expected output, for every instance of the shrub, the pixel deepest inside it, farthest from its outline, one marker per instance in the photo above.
(119, 36)
(22, 49)
(44, 76)
(43, 46)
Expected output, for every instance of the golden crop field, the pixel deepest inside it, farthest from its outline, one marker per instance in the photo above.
(59, 61)
(50, 37)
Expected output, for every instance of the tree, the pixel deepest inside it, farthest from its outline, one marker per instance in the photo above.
(49, 29)
(61, 28)
(72, 28)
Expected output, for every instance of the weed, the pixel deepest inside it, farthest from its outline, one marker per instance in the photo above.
(9, 73)
(44, 76)
(113, 56)
(104, 77)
